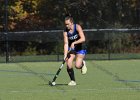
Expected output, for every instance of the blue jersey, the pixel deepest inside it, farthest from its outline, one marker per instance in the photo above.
(74, 37)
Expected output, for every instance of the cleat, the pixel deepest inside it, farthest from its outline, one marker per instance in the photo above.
(84, 68)
(72, 83)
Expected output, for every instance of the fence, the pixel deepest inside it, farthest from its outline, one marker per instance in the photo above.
(102, 44)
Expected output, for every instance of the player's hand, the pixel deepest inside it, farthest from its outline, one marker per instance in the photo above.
(72, 46)
(65, 57)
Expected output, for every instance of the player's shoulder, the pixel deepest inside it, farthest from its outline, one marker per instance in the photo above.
(78, 26)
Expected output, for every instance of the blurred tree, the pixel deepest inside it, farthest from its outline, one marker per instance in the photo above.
(29, 15)
(20, 11)
(49, 14)
(1, 14)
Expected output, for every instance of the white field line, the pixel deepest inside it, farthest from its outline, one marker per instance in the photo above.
(71, 90)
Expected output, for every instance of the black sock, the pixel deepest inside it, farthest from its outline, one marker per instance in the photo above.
(71, 73)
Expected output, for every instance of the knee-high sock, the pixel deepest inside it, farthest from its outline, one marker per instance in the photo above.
(71, 73)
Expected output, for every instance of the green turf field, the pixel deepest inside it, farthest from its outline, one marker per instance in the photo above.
(105, 80)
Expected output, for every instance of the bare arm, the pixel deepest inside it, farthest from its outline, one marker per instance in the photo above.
(81, 34)
(65, 44)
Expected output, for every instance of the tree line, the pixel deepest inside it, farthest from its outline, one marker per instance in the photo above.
(49, 14)
(34, 15)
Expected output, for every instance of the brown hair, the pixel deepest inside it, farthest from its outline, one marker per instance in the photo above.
(69, 18)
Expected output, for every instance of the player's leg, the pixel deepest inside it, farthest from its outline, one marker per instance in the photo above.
(70, 70)
(80, 63)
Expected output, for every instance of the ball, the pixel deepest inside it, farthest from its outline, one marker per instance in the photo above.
(53, 83)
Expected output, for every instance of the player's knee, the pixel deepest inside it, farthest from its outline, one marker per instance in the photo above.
(69, 66)
(78, 66)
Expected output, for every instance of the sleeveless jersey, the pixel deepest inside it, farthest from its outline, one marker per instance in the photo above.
(74, 36)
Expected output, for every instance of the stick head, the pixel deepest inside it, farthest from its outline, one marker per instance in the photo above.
(52, 83)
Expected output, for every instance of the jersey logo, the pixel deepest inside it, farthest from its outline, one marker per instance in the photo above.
(73, 37)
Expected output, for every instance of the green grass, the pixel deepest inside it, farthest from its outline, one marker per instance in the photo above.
(43, 58)
(105, 80)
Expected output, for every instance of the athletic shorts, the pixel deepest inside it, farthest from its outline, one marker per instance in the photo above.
(83, 52)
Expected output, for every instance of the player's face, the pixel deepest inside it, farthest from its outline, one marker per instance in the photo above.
(68, 24)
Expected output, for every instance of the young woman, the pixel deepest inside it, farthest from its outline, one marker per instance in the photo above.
(74, 38)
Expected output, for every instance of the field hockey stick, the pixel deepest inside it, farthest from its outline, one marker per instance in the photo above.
(60, 68)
